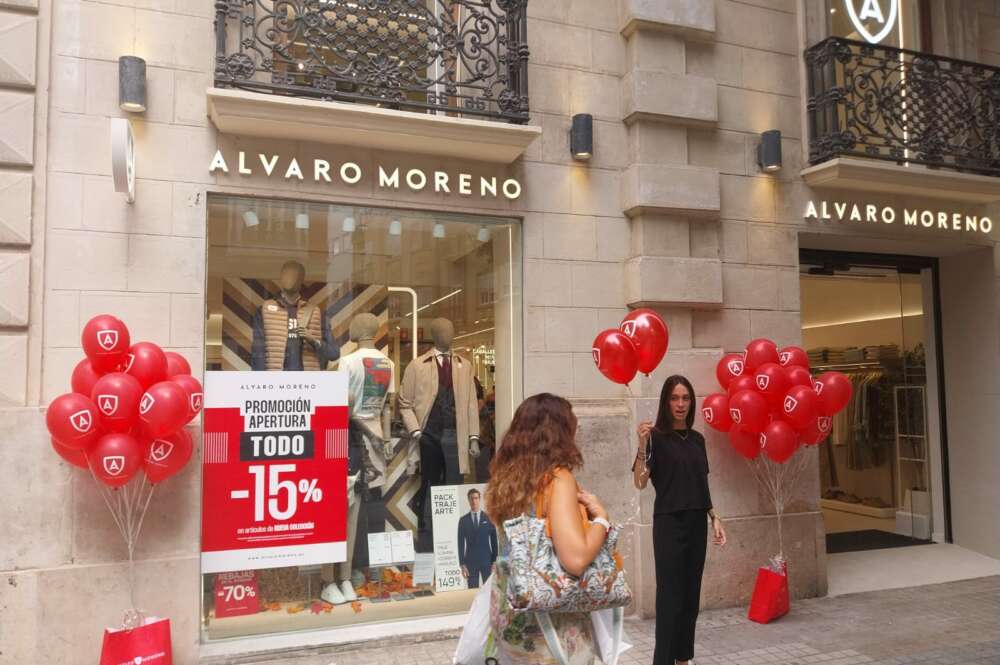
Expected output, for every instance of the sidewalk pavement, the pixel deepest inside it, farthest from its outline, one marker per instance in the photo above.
(957, 623)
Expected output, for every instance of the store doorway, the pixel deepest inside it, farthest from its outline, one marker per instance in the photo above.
(882, 471)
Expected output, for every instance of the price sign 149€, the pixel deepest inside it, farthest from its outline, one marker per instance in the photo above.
(275, 470)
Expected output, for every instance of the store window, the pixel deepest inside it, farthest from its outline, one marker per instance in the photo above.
(377, 295)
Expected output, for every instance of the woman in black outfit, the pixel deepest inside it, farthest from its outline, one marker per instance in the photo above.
(672, 455)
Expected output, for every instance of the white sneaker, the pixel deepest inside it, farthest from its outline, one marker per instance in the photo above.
(348, 590)
(331, 594)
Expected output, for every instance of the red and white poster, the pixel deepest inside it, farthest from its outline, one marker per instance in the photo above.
(274, 470)
(236, 594)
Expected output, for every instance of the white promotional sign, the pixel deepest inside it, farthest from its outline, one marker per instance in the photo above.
(448, 504)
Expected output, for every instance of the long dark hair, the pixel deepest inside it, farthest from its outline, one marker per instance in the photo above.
(540, 440)
(664, 418)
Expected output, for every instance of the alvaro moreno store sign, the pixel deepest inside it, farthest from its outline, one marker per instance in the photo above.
(870, 213)
(386, 177)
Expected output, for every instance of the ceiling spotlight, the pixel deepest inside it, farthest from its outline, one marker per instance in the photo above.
(395, 228)
(302, 221)
(250, 218)
(349, 224)
(439, 230)
(484, 234)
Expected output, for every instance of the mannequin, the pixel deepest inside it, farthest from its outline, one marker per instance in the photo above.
(437, 401)
(288, 333)
(371, 380)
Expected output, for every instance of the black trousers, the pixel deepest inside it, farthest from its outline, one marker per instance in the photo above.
(679, 542)
(477, 573)
(438, 466)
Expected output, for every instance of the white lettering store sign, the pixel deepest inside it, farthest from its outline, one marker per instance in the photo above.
(870, 213)
(351, 173)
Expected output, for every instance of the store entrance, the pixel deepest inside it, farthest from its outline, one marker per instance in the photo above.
(874, 318)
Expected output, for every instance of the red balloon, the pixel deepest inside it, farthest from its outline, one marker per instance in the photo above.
(163, 408)
(746, 443)
(195, 394)
(793, 356)
(167, 455)
(84, 377)
(772, 382)
(115, 458)
(648, 331)
(117, 397)
(817, 432)
(801, 406)
(742, 382)
(176, 364)
(760, 352)
(72, 420)
(74, 456)
(834, 390)
(105, 341)
(779, 441)
(730, 367)
(748, 409)
(147, 363)
(798, 376)
(615, 356)
(715, 411)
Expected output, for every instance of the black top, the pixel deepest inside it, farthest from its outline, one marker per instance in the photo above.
(678, 469)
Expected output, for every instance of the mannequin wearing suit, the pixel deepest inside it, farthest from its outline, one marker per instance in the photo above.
(477, 542)
(437, 401)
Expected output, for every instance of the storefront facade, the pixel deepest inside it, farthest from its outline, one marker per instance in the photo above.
(486, 220)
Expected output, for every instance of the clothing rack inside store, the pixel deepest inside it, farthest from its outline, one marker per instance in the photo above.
(847, 367)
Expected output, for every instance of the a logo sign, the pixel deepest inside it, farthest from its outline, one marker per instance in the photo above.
(196, 401)
(129, 359)
(597, 356)
(709, 414)
(818, 387)
(160, 450)
(108, 404)
(763, 441)
(146, 404)
(113, 464)
(790, 403)
(735, 367)
(82, 421)
(629, 328)
(784, 357)
(107, 339)
(876, 11)
(736, 415)
(763, 381)
(823, 424)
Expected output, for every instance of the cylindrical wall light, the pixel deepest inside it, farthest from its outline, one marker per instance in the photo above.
(438, 231)
(581, 136)
(769, 151)
(131, 84)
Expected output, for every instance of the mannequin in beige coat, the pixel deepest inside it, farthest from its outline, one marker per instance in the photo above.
(444, 431)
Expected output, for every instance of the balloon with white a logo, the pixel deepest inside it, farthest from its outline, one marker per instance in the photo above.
(165, 456)
(730, 366)
(72, 420)
(779, 441)
(105, 341)
(648, 332)
(772, 382)
(798, 376)
(84, 377)
(793, 356)
(74, 456)
(146, 362)
(195, 393)
(834, 390)
(176, 363)
(715, 412)
(760, 352)
(115, 458)
(801, 406)
(817, 432)
(744, 442)
(117, 398)
(748, 409)
(163, 408)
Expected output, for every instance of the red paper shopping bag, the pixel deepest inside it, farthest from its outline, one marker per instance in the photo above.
(149, 644)
(770, 595)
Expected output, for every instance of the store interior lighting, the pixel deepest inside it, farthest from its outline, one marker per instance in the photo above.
(250, 218)
(302, 221)
(349, 225)
(439, 230)
(484, 234)
(395, 228)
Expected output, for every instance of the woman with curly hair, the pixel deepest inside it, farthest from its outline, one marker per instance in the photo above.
(533, 473)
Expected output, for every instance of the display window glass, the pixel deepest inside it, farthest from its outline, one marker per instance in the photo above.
(421, 314)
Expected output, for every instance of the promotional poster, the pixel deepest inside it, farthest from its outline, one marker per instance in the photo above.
(465, 539)
(275, 470)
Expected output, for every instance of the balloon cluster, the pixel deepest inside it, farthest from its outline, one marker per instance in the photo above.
(128, 407)
(772, 403)
(637, 345)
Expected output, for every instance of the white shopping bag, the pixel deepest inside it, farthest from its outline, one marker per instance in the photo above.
(472, 644)
(609, 633)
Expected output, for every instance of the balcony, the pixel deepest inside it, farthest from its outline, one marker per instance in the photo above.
(889, 119)
(446, 77)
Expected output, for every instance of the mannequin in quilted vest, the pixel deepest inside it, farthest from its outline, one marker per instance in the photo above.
(289, 333)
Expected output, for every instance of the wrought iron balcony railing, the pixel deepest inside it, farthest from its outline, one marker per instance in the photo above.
(903, 106)
(452, 57)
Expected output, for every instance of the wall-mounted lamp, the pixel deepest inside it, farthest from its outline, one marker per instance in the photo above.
(581, 137)
(438, 230)
(302, 221)
(131, 84)
(250, 219)
(395, 228)
(769, 151)
(349, 225)
(484, 234)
